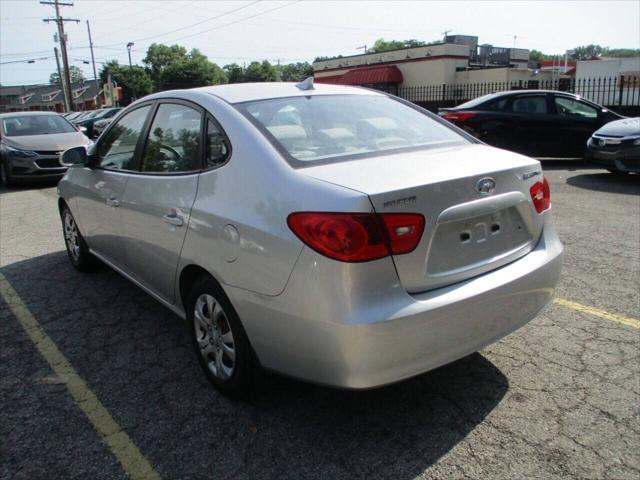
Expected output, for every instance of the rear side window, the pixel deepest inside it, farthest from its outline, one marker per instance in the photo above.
(530, 104)
(336, 127)
(216, 144)
(117, 148)
(174, 140)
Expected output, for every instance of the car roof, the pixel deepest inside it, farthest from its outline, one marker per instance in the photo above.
(246, 92)
(25, 114)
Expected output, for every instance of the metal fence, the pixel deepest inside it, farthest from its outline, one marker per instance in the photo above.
(620, 93)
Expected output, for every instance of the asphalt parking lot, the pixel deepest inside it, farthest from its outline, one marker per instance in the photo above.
(559, 398)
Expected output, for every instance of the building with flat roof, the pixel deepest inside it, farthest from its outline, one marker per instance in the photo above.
(458, 59)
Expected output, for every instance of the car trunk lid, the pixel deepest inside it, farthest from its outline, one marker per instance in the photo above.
(468, 231)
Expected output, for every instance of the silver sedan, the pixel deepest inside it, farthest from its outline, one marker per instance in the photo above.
(334, 234)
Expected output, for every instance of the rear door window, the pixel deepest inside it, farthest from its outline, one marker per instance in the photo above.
(173, 144)
(532, 104)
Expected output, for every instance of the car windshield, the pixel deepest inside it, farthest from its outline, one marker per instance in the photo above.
(35, 125)
(334, 127)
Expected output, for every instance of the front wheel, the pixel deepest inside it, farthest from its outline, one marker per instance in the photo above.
(220, 342)
(77, 248)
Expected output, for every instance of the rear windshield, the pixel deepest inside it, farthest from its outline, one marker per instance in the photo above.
(35, 125)
(476, 102)
(321, 128)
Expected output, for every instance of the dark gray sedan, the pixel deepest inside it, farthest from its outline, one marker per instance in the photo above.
(31, 144)
(616, 146)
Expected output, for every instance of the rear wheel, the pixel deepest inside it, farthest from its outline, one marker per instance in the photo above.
(5, 175)
(219, 340)
(77, 248)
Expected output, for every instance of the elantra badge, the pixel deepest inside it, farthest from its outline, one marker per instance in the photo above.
(486, 185)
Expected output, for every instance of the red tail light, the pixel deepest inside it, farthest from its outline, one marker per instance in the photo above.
(458, 116)
(357, 237)
(541, 195)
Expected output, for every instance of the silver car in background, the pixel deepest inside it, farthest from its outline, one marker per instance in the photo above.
(333, 234)
(31, 144)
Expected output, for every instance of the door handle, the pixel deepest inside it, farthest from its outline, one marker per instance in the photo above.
(113, 202)
(173, 218)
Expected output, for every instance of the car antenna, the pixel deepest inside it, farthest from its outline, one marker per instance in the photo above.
(306, 84)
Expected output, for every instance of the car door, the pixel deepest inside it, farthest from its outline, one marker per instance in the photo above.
(157, 201)
(531, 125)
(576, 121)
(101, 186)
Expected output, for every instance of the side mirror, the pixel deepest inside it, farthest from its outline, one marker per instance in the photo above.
(75, 156)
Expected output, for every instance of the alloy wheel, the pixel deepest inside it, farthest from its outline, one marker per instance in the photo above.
(214, 337)
(72, 236)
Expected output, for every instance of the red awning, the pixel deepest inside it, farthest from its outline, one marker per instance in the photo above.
(365, 76)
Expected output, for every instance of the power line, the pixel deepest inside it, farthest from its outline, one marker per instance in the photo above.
(229, 12)
(236, 21)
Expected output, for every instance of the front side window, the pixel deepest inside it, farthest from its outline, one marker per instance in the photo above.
(116, 150)
(573, 108)
(174, 139)
(336, 127)
(35, 125)
(530, 104)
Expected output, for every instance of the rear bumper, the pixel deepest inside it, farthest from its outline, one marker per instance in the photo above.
(356, 329)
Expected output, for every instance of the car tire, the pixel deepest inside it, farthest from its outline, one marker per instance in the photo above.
(77, 249)
(219, 340)
(5, 175)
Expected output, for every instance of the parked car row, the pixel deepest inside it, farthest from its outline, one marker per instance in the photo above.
(544, 124)
(89, 118)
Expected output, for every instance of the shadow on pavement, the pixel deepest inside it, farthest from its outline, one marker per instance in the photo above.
(136, 356)
(607, 182)
(28, 185)
(570, 165)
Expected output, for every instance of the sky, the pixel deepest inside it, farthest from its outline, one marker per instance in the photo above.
(290, 31)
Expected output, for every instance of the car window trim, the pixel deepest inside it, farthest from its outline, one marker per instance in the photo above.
(136, 152)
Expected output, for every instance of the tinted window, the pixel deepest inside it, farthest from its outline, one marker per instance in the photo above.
(173, 140)
(35, 125)
(574, 108)
(321, 127)
(480, 101)
(116, 149)
(531, 104)
(217, 148)
(496, 105)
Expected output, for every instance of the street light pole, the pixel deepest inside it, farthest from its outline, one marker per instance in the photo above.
(129, 45)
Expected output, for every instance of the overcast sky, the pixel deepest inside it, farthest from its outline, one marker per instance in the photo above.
(242, 31)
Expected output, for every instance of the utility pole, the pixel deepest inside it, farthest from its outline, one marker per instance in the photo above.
(60, 79)
(93, 61)
(63, 45)
(444, 35)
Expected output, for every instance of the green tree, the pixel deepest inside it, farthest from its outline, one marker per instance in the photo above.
(172, 67)
(538, 56)
(586, 52)
(234, 73)
(382, 45)
(75, 73)
(295, 72)
(260, 72)
(135, 81)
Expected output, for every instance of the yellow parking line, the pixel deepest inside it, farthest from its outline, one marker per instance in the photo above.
(614, 317)
(134, 463)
